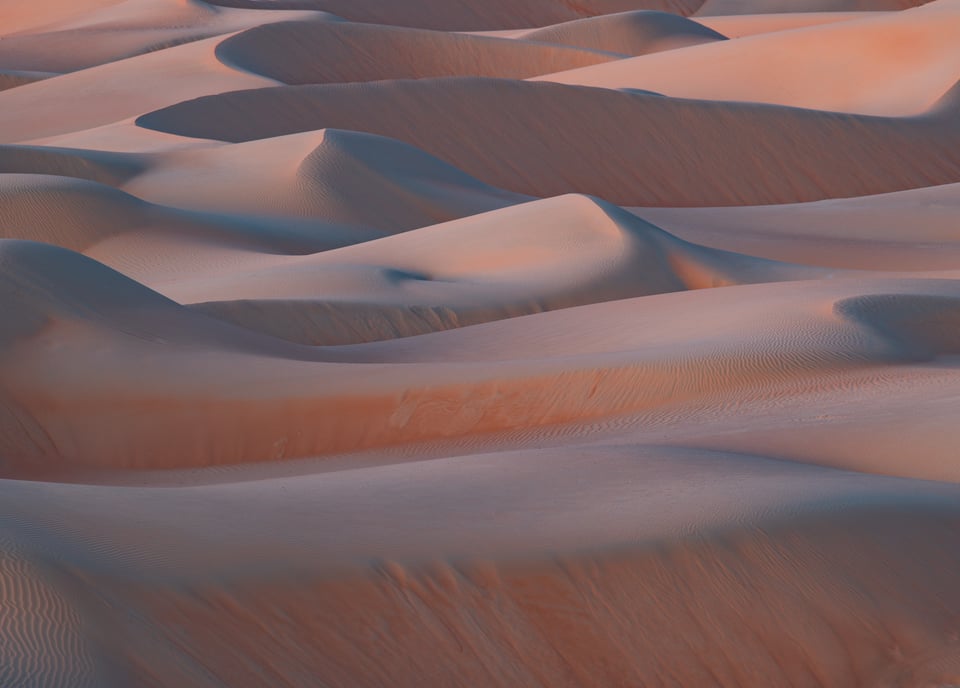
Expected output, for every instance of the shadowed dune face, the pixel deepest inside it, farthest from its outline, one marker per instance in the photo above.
(323, 52)
(462, 15)
(363, 343)
(627, 148)
(98, 166)
(326, 174)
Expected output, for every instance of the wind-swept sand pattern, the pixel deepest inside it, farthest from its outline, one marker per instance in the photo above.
(449, 343)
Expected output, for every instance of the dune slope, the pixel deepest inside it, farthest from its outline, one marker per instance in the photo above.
(322, 52)
(631, 149)
(894, 64)
(548, 343)
(627, 33)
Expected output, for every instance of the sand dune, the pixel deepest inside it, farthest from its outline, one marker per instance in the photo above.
(758, 553)
(115, 91)
(43, 640)
(734, 7)
(342, 345)
(125, 29)
(320, 52)
(67, 212)
(18, 16)
(627, 33)
(540, 256)
(514, 378)
(631, 149)
(98, 220)
(463, 15)
(875, 80)
(904, 230)
(329, 174)
(94, 165)
(739, 25)
(11, 78)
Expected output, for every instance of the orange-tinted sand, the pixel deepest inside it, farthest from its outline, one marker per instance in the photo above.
(510, 343)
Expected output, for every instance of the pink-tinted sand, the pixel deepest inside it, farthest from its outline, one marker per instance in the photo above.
(422, 343)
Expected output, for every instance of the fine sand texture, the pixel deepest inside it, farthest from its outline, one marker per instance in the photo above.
(460, 343)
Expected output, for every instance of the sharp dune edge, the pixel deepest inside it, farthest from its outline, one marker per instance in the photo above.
(362, 343)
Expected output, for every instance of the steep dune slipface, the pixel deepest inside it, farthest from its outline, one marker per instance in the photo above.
(629, 148)
(320, 368)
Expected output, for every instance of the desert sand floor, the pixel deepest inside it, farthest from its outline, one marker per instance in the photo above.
(467, 343)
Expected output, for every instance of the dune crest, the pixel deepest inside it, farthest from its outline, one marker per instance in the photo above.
(548, 343)
(877, 79)
(320, 52)
(628, 33)
(628, 148)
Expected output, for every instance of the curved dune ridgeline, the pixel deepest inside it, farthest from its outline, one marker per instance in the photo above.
(547, 343)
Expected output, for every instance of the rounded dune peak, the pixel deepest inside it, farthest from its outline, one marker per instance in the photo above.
(628, 33)
(539, 256)
(346, 177)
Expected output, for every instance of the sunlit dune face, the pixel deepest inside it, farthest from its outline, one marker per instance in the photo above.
(363, 343)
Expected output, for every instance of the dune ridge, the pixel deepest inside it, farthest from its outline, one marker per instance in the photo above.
(548, 343)
(461, 15)
(903, 230)
(322, 52)
(448, 275)
(326, 174)
(875, 80)
(127, 317)
(630, 147)
(627, 33)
